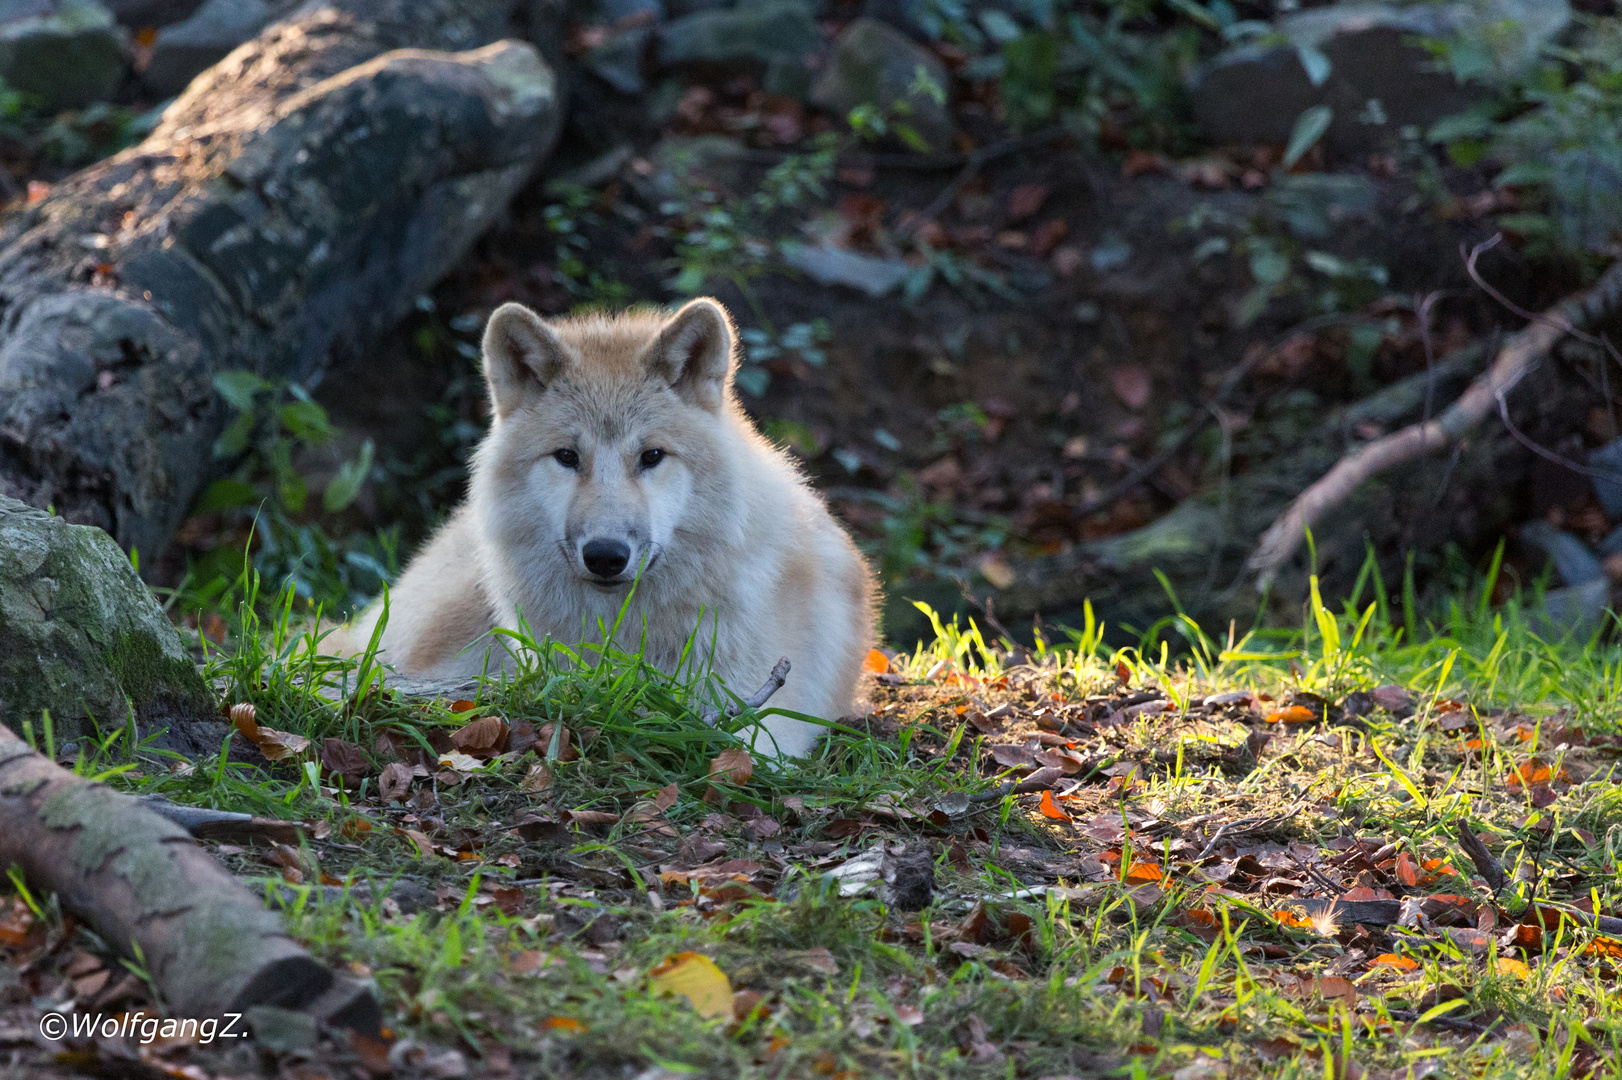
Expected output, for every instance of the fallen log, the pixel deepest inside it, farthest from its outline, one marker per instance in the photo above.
(288, 209)
(151, 892)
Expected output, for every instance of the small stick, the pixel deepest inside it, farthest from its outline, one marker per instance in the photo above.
(774, 683)
(1490, 869)
(1524, 348)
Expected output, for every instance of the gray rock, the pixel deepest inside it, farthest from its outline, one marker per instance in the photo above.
(1368, 68)
(1575, 609)
(715, 161)
(81, 636)
(1612, 544)
(770, 31)
(1607, 460)
(1572, 560)
(829, 265)
(618, 60)
(901, 14)
(68, 53)
(187, 49)
(614, 11)
(875, 64)
(137, 14)
(677, 9)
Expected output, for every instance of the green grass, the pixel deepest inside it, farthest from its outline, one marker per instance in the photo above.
(1039, 954)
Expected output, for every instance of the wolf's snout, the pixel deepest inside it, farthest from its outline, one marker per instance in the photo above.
(606, 558)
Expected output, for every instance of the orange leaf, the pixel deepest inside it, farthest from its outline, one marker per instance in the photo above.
(876, 662)
(1508, 965)
(463, 705)
(1604, 946)
(562, 1023)
(1294, 714)
(1401, 963)
(1050, 809)
(1290, 918)
(1141, 873)
(1122, 672)
(1407, 872)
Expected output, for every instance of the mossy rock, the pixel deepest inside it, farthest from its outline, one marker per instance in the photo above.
(80, 635)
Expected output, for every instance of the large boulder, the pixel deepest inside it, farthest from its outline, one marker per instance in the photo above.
(67, 53)
(1366, 62)
(184, 50)
(875, 64)
(776, 35)
(81, 636)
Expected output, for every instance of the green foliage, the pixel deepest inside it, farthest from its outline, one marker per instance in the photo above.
(272, 424)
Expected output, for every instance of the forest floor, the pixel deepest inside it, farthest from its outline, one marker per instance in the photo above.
(1244, 863)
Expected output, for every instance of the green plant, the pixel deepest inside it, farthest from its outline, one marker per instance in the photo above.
(266, 491)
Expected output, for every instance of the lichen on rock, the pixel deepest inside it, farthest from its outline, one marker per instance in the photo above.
(80, 634)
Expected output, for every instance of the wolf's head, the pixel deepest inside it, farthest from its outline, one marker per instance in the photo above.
(608, 439)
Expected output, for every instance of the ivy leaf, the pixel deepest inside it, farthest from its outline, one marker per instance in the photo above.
(343, 488)
(239, 387)
(1309, 128)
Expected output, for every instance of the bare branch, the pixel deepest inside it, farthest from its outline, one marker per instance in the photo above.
(774, 682)
(1281, 540)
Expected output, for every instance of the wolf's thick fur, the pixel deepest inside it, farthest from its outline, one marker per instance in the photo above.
(721, 524)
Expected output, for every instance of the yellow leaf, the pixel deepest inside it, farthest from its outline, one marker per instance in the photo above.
(695, 977)
(1508, 965)
(460, 762)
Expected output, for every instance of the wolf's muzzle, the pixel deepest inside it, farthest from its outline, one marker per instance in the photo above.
(606, 558)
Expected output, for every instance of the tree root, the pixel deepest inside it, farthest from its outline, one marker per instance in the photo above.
(1517, 357)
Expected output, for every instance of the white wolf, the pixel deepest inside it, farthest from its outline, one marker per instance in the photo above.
(618, 448)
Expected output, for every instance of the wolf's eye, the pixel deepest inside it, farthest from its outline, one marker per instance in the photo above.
(650, 458)
(569, 459)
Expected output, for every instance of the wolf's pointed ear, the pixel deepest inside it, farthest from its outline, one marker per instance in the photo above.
(694, 353)
(521, 356)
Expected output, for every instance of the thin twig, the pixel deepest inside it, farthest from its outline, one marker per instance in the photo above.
(1281, 540)
(971, 168)
(774, 683)
(1230, 382)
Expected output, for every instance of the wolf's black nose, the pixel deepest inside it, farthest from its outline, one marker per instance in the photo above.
(606, 558)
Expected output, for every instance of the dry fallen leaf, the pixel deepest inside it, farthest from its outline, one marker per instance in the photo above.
(733, 766)
(1132, 385)
(483, 737)
(394, 781)
(536, 780)
(563, 1023)
(695, 977)
(1294, 714)
(243, 719)
(425, 846)
(277, 745)
(876, 662)
(459, 762)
